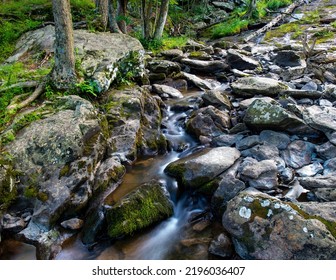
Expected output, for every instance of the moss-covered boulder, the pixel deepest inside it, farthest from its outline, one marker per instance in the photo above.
(263, 227)
(198, 169)
(7, 184)
(145, 206)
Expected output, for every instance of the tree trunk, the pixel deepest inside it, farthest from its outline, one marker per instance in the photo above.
(63, 74)
(103, 10)
(146, 12)
(162, 19)
(113, 25)
(122, 11)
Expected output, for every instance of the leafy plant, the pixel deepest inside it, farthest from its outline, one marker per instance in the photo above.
(86, 88)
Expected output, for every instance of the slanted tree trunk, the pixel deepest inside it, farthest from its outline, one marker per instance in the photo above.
(122, 12)
(63, 74)
(113, 25)
(162, 19)
(103, 10)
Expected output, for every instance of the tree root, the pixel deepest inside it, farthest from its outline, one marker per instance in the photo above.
(28, 84)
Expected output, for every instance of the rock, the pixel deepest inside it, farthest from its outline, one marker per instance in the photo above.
(179, 84)
(201, 66)
(244, 104)
(172, 54)
(325, 194)
(198, 82)
(100, 53)
(278, 139)
(12, 224)
(310, 86)
(240, 61)
(200, 168)
(209, 122)
(299, 93)
(324, 210)
(200, 55)
(310, 170)
(260, 175)
(229, 6)
(298, 153)
(163, 66)
(329, 166)
(248, 142)
(226, 140)
(262, 115)
(295, 191)
(8, 191)
(73, 224)
(250, 86)
(262, 152)
(144, 206)
(324, 181)
(322, 119)
(93, 225)
(166, 91)
(289, 58)
(216, 98)
(263, 227)
(222, 246)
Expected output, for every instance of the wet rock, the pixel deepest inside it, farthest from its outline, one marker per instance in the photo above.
(208, 121)
(240, 61)
(200, 168)
(166, 91)
(179, 84)
(144, 206)
(163, 66)
(250, 86)
(278, 139)
(216, 98)
(323, 181)
(201, 66)
(262, 115)
(73, 224)
(198, 82)
(310, 170)
(298, 153)
(260, 175)
(221, 246)
(263, 227)
(248, 142)
(93, 225)
(289, 58)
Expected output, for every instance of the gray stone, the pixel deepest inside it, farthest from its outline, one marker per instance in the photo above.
(289, 58)
(263, 227)
(226, 140)
(12, 224)
(216, 98)
(310, 86)
(163, 66)
(262, 115)
(329, 166)
(201, 66)
(141, 208)
(209, 122)
(198, 82)
(251, 86)
(324, 210)
(173, 53)
(200, 55)
(201, 167)
(324, 181)
(295, 191)
(248, 142)
(262, 152)
(278, 139)
(166, 91)
(298, 153)
(325, 194)
(301, 94)
(244, 104)
(229, 6)
(326, 151)
(240, 61)
(73, 224)
(310, 170)
(221, 246)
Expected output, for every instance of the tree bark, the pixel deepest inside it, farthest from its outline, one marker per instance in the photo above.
(122, 12)
(113, 25)
(63, 74)
(162, 19)
(103, 10)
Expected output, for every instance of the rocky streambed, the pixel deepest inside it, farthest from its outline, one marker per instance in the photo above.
(260, 170)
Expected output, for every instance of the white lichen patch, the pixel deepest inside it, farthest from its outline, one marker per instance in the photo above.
(270, 213)
(312, 235)
(245, 212)
(265, 203)
(277, 205)
(291, 217)
(248, 199)
(286, 207)
(305, 229)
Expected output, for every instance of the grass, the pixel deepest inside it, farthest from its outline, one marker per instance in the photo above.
(282, 30)
(231, 27)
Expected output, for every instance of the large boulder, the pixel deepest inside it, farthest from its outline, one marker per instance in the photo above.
(262, 115)
(100, 54)
(216, 98)
(196, 170)
(145, 206)
(250, 86)
(263, 227)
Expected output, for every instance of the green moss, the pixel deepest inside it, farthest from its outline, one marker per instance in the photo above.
(30, 192)
(8, 191)
(282, 30)
(231, 27)
(65, 170)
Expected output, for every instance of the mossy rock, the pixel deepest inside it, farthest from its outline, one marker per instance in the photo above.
(145, 206)
(8, 190)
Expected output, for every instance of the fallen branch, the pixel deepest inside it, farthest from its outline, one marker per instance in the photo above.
(273, 22)
(28, 84)
(38, 91)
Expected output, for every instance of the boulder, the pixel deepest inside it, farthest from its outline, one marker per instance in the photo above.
(200, 55)
(100, 53)
(278, 139)
(289, 58)
(146, 205)
(216, 98)
(329, 166)
(323, 181)
(73, 224)
(262, 152)
(263, 227)
(222, 245)
(248, 142)
(198, 82)
(298, 153)
(325, 194)
(166, 91)
(209, 122)
(163, 66)
(262, 115)
(310, 170)
(245, 103)
(228, 6)
(208, 67)
(251, 86)
(172, 54)
(240, 61)
(197, 169)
